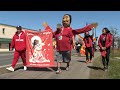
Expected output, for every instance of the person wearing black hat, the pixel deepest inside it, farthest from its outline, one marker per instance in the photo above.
(19, 43)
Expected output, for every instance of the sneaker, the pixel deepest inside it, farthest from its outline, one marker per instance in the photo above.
(10, 69)
(106, 70)
(103, 68)
(58, 71)
(25, 68)
(67, 68)
(87, 61)
(106, 67)
(90, 61)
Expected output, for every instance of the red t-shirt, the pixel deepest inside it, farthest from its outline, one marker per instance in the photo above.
(88, 43)
(64, 39)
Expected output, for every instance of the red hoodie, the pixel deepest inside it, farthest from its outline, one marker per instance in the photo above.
(90, 44)
(108, 43)
(82, 30)
(67, 34)
(19, 42)
(64, 39)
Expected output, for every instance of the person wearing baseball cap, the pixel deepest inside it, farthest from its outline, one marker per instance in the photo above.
(19, 43)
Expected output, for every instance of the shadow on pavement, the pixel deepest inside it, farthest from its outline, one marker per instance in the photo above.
(4, 70)
(40, 69)
(81, 61)
(18, 68)
(55, 68)
(95, 68)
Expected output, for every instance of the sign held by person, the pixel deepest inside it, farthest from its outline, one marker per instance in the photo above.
(39, 51)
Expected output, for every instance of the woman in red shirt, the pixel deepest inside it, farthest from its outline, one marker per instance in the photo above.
(88, 40)
(105, 42)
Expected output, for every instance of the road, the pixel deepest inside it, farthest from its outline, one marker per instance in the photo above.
(78, 70)
(6, 58)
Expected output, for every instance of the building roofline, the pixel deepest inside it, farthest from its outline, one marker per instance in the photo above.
(15, 26)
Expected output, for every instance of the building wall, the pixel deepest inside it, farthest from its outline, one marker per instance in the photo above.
(8, 31)
(4, 47)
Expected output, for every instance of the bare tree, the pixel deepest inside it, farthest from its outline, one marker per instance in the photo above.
(118, 41)
(114, 32)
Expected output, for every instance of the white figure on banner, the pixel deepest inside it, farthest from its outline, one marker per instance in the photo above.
(38, 54)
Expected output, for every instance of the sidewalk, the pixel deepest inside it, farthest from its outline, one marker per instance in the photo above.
(6, 52)
(78, 70)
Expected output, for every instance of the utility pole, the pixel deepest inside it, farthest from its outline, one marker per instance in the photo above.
(39, 30)
(86, 23)
(95, 32)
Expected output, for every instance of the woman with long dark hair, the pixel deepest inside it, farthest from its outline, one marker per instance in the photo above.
(105, 42)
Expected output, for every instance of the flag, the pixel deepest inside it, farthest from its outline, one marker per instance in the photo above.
(39, 50)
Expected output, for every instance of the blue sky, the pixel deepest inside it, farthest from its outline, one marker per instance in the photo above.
(34, 19)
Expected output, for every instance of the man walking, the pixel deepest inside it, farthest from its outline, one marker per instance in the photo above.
(19, 43)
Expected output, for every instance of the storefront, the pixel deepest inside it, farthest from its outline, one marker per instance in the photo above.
(5, 44)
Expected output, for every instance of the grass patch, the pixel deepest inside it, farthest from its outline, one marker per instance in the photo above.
(114, 69)
(97, 70)
(115, 53)
(114, 72)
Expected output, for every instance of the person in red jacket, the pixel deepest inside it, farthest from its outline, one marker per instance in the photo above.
(65, 40)
(19, 43)
(105, 42)
(88, 40)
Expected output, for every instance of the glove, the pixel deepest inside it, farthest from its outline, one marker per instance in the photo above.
(45, 24)
(103, 48)
(94, 25)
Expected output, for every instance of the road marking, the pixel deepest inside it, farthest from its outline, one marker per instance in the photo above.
(9, 65)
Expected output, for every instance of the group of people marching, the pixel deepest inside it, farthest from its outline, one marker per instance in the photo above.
(104, 42)
(65, 42)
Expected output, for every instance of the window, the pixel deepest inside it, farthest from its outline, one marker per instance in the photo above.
(3, 30)
(0, 45)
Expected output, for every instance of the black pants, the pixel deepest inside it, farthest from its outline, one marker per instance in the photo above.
(88, 50)
(105, 60)
(78, 49)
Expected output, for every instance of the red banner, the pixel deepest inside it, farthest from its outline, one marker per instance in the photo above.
(39, 52)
